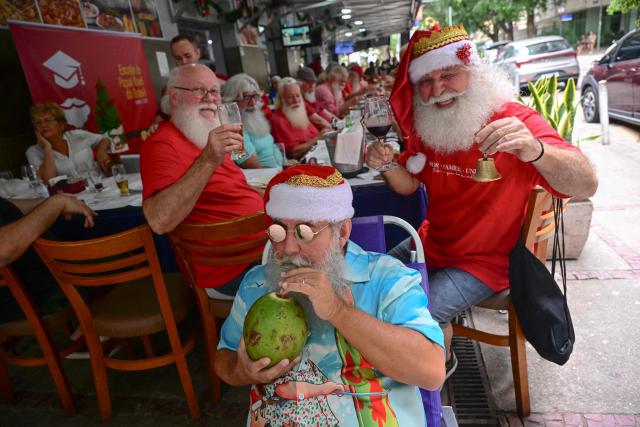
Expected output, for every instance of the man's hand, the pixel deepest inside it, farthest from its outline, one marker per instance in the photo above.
(379, 154)
(257, 372)
(222, 140)
(508, 135)
(102, 156)
(71, 205)
(43, 142)
(316, 286)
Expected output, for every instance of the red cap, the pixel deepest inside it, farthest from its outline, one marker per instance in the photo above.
(358, 69)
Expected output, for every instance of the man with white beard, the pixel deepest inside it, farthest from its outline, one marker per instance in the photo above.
(452, 109)
(367, 312)
(290, 123)
(329, 93)
(258, 142)
(187, 174)
(321, 118)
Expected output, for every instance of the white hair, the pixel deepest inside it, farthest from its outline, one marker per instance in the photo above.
(287, 81)
(237, 86)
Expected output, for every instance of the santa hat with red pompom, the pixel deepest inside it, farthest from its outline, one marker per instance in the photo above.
(309, 193)
(427, 51)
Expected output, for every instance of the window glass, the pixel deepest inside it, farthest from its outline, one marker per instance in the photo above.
(630, 49)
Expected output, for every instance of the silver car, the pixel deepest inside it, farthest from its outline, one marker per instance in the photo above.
(533, 58)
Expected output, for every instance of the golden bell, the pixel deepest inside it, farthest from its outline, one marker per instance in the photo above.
(486, 170)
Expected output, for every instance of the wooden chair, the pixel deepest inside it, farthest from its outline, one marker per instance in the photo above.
(37, 325)
(536, 232)
(142, 302)
(212, 244)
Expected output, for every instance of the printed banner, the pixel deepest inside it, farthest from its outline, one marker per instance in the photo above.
(65, 66)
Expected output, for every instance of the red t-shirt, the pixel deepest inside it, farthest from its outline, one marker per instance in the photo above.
(312, 107)
(285, 133)
(166, 156)
(472, 225)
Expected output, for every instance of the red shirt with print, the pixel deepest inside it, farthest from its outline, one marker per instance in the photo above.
(285, 133)
(166, 156)
(473, 225)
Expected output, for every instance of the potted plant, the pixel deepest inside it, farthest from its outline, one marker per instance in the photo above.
(559, 109)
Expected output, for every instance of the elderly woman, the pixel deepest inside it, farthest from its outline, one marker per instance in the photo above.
(61, 152)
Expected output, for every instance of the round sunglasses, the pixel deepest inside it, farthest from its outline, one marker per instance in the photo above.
(304, 233)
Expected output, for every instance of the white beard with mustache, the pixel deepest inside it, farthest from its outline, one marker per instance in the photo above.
(310, 96)
(336, 89)
(332, 265)
(452, 129)
(196, 128)
(296, 115)
(255, 123)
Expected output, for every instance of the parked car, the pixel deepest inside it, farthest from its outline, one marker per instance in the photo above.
(620, 67)
(537, 57)
(492, 50)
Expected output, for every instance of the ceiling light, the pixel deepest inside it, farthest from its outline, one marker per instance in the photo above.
(362, 30)
(348, 34)
(345, 17)
(358, 22)
(345, 11)
(210, 41)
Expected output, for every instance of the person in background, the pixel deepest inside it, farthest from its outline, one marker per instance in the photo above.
(290, 124)
(329, 93)
(258, 142)
(316, 65)
(60, 151)
(357, 80)
(184, 49)
(371, 71)
(274, 83)
(452, 109)
(187, 173)
(320, 118)
(370, 332)
(21, 223)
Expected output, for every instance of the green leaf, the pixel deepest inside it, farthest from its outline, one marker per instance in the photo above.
(537, 101)
(569, 95)
(552, 90)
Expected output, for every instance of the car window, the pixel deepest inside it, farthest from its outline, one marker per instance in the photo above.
(507, 52)
(630, 49)
(547, 47)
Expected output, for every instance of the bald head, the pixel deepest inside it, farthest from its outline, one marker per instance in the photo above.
(192, 84)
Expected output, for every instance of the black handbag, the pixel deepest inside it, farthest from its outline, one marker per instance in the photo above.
(540, 306)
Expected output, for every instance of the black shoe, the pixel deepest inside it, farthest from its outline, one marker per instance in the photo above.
(451, 365)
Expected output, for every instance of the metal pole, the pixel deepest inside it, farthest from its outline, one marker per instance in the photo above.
(603, 108)
(450, 16)
(599, 26)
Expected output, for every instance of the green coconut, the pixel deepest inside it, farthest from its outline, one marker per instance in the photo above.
(275, 327)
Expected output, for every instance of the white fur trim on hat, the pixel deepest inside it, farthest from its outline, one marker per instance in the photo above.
(416, 163)
(310, 203)
(440, 58)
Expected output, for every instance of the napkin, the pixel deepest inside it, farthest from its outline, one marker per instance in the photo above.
(349, 146)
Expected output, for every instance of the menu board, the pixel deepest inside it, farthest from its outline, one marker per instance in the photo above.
(20, 10)
(133, 16)
(109, 15)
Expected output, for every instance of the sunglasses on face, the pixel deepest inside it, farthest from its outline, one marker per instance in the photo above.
(303, 232)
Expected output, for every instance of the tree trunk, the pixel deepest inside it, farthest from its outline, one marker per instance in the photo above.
(531, 24)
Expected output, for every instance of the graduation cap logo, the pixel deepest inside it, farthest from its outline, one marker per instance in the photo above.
(66, 70)
(76, 111)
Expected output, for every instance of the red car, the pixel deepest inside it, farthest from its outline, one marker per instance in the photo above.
(620, 67)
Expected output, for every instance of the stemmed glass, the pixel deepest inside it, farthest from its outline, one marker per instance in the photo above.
(230, 114)
(377, 119)
(95, 177)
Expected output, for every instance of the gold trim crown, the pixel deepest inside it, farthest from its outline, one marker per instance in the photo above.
(431, 40)
(315, 181)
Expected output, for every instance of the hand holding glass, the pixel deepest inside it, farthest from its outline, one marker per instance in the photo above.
(230, 115)
(119, 175)
(377, 119)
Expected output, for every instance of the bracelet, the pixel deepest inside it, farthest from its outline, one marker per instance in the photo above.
(541, 151)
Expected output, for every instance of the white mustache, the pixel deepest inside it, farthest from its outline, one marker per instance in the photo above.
(442, 98)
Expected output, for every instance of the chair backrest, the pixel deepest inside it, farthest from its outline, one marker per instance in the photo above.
(9, 279)
(109, 260)
(539, 225)
(236, 241)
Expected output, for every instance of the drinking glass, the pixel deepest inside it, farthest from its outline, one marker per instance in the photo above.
(230, 114)
(95, 177)
(377, 119)
(280, 155)
(120, 176)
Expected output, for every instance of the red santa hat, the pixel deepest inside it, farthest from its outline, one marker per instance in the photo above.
(426, 52)
(309, 193)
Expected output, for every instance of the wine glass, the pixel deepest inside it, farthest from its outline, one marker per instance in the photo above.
(95, 177)
(377, 119)
(230, 114)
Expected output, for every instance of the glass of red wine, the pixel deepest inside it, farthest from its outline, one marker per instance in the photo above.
(377, 119)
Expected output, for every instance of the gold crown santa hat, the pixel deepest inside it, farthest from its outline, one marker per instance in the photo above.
(309, 193)
(427, 51)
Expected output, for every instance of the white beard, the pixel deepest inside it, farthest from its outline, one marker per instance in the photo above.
(195, 127)
(310, 96)
(452, 129)
(255, 123)
(336, 89)
(296, 115)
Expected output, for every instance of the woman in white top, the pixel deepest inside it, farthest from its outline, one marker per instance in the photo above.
(63, 153)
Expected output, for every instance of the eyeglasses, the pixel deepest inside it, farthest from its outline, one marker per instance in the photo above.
(249, 98)
(46, 121)
(304, 233)
(201, 92)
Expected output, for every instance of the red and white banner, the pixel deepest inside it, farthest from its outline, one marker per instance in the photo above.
(64, 65)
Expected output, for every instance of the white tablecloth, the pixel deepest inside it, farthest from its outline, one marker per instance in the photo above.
(110, 198)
